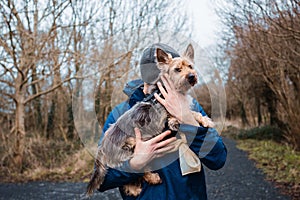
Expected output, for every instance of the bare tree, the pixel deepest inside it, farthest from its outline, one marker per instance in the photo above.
(31, 57)
(263, 40)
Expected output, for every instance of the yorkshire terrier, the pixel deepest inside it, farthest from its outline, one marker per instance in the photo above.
(118, 143)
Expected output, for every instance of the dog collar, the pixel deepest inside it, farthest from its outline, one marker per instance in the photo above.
(151, 98)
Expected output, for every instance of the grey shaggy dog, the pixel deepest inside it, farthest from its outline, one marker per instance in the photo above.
(118, 143)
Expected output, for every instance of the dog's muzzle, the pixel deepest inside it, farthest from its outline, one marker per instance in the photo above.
(192, 79)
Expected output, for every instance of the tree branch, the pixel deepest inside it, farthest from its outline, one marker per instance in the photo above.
(30, 98)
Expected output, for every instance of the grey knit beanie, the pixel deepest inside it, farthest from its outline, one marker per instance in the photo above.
(148, 68)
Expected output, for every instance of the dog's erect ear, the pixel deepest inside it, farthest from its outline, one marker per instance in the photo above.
(189, 52)
(163, 57)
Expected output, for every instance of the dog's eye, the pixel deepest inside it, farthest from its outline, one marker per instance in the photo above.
(190, 66)
(177, 69)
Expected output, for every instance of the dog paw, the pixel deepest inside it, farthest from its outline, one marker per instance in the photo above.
(135, 192)
(173, 124)
(132, 190)
(152, 178)
(207, 122)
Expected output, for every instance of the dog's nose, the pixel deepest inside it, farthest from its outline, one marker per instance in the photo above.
(192, 79)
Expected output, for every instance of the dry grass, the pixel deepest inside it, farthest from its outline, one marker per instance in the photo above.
(76, 168)
(44, 159)
(278, 161)
(272, 154)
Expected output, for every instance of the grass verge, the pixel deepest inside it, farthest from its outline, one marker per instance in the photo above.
(278, 161)
(48, 160)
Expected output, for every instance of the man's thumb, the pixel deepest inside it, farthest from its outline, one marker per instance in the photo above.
(138, 135)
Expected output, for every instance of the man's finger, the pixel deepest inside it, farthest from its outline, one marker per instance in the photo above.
(162, 89)
(167, 82)
(159, 99)
(161, 151)
(138, 135)
(165, 142)
(160, 137)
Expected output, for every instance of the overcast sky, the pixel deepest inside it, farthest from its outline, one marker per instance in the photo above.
(205, 21)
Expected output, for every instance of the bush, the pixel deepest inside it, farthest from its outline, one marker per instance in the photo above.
(262, 133)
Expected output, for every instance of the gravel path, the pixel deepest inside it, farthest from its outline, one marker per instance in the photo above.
(237, 180)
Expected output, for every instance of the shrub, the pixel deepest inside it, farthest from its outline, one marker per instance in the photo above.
(262, 133)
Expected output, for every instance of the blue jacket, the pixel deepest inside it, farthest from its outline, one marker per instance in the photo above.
(205, 142)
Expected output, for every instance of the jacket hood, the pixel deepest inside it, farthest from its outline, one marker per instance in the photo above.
(131, 86)
(134, 91)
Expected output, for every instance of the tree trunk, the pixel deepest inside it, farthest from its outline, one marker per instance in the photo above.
(71, 126)
(20, 137)
(38, 123)
(258, 110)
(19, 129)
(243, 114)
(50, 124)
(98, 102)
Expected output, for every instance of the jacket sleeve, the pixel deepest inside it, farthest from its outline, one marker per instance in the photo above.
(119, 177)
(206, 143)
(123, 174)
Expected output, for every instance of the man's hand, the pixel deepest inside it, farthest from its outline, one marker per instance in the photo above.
(176, 103)
(146, 151)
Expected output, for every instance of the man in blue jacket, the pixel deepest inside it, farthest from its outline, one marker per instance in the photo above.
(204, 142)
